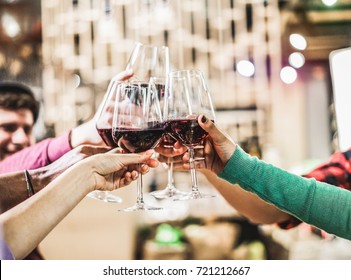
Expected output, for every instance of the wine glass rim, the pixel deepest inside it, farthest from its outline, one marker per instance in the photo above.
(137, 83)
(151, 45)
(189, 71)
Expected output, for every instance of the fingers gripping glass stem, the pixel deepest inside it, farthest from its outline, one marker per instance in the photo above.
(140, 204)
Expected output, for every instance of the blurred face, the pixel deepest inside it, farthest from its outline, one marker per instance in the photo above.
(15, 131)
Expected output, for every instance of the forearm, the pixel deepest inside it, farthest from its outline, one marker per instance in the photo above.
(13, 187)
(85, 133)
(246, 203)
(316, 203)
(38, 215)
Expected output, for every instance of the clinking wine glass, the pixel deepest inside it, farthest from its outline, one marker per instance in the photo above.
(151, 64)
(148, 61)
(167, 142)
(187, 97)
(137, 127)
(104, 128)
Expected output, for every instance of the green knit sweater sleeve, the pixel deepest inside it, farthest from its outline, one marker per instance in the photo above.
(322, 205)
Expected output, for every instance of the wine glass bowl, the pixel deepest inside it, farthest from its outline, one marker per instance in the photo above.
(137, 126)
(104, 128)
(187, 96)
(187, 131)
(148, 61)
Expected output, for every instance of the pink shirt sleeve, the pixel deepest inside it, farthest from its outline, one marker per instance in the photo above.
(38, 155)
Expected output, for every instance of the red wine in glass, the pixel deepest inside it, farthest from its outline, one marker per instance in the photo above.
(186, 131)
(138, 140)
(106, 135)
(168, 141)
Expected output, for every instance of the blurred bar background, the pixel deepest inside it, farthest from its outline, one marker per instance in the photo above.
(267, 65)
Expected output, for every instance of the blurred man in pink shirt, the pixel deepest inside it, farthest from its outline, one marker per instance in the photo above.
(18, 113)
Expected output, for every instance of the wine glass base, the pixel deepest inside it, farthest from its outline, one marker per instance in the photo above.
(194, 195)
(140, 207)
(168, 192)
(105, 197)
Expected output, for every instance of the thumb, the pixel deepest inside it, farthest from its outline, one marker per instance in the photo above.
(223, 144)
(208, 125)
(133, 158)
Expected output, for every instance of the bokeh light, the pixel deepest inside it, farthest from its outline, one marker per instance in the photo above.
(245, 68)
(298, 41)
(296, 59)
(288, 75)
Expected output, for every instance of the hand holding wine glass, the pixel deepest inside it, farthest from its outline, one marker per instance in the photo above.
(218, 147)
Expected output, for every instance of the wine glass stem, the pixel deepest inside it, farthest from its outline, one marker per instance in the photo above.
(194, 187)
(170, 181)
(140, 198)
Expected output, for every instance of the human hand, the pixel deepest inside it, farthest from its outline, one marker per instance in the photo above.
(87, 133)
(218, 148)
(170, 148)
(114, 170)
(169, 151)
(44, 175)
(178, 155)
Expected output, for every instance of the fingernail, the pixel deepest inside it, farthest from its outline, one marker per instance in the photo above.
(203, 119)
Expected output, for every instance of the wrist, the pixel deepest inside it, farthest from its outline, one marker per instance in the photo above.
(75, 137)
(39, 178)
(85, 133)
(84, 175)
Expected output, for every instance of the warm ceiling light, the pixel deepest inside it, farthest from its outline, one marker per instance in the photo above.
(296, 59)
(288, 75)
(298, 41)
(245, 68)
(10, 25)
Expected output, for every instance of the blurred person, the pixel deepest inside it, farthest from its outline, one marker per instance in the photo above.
(317, 203)
(252, 207)
(24, 226)
(335, 172)
(14, 193)
(18, 114)
(19, 111)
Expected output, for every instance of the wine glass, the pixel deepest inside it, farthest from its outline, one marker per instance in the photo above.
(137, 126)
(151, 64)
(186, 97)
(167, 141)
(148, 61)
(104, 128)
